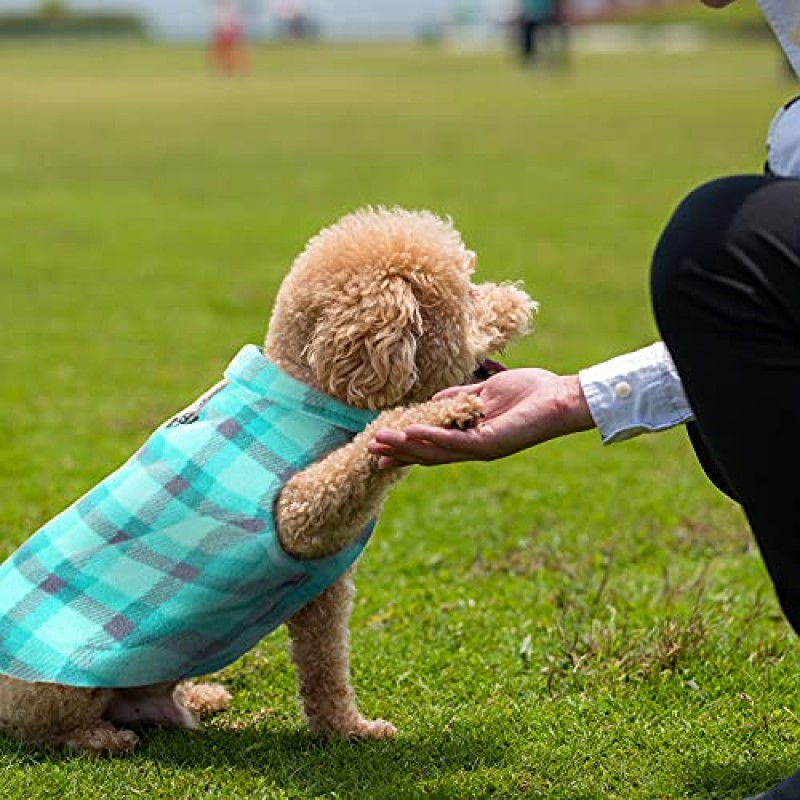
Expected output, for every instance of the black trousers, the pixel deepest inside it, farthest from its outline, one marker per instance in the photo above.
(726, 294)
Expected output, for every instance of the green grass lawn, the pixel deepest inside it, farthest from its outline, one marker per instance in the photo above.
(572, 623)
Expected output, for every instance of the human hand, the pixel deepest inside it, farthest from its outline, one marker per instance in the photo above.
(522, 408)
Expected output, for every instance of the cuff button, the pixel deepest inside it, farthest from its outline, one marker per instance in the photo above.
(623, 390)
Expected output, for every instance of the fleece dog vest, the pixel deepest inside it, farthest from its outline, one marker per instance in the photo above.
(171, 567)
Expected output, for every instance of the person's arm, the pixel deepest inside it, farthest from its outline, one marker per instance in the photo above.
(623, 397)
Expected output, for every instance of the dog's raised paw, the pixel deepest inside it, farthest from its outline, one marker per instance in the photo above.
(461, 412)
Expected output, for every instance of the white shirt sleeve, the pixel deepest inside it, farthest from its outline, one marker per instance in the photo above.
(635, 393)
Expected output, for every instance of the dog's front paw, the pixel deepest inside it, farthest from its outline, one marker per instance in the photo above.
(372, 729)
(462, 411)
(354, 728)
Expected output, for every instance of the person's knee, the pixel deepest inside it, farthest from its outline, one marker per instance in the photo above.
(697, 239)
(683, 238)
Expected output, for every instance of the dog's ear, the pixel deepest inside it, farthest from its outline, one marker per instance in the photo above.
(499, 314)
(363, 348)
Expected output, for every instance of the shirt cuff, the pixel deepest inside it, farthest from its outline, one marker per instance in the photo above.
(636, 393)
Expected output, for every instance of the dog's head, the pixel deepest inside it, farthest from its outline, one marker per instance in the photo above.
(379, 311)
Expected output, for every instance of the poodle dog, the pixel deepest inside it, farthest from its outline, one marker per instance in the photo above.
(250, 508)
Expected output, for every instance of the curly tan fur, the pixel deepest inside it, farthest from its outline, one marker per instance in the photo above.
(203, 698)
(379, 312)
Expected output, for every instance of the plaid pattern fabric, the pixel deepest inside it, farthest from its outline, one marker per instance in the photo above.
(171, 566)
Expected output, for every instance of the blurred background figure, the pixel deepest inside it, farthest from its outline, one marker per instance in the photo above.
(529, 18)
(292, 22)
(228, 52)
(542, 33)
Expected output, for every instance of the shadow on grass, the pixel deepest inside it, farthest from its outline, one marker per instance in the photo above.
(295, 764)
(298, 764)
(736, 781)
(293, 759)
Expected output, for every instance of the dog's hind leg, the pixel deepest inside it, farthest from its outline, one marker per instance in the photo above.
(320, 650)
(101, 739)
(203, 698)
(69, 716)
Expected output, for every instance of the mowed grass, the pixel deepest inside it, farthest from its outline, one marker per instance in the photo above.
(575, 622)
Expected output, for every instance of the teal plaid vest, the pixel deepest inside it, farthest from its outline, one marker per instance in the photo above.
(171, 567)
